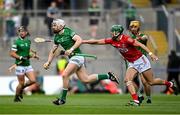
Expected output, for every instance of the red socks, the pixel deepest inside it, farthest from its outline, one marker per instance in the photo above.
(135, 97)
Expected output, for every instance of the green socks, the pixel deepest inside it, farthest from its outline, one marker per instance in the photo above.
(63, 94)
(103, 76)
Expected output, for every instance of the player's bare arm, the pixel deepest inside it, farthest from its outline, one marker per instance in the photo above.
(14, 55)
(78, 42)
(33, 54)
(51, 56)
(136, 43)
(52, 53)
(94, 41)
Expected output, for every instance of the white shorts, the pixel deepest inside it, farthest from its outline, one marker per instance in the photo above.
(21, 70)
(142, 64)
(78, 60)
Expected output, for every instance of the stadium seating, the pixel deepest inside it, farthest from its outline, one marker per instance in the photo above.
(160, 40)
(141, 3)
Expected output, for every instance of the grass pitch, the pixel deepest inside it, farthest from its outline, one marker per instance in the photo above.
(89, 104)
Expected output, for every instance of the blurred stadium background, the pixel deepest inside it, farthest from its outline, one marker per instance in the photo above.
(159, 18)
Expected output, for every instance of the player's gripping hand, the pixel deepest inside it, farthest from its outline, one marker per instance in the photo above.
(34, 55)
(153, 57)
(69, 52)
(46, 65)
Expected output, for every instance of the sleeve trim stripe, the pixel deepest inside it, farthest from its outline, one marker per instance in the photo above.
(13, 49)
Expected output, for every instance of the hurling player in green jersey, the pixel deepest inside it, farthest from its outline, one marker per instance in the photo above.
(71, 42)
(20, 50)
(134, 29)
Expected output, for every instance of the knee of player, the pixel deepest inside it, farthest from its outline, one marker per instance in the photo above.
(64, 75)
(126, 80)
(146, 83)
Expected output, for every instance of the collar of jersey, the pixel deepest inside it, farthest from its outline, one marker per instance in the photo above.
(61, 32)
(21, 38)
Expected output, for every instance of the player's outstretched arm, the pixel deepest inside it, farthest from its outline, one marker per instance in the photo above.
(153, 57)
(94, 41)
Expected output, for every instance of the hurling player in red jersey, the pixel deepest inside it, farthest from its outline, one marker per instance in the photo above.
(135, 33)
(138, 63)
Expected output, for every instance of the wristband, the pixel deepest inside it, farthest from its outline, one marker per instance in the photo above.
(20, 57)
(150, 53)
(72, 49)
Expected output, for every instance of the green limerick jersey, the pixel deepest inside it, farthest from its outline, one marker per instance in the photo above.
(65, 39)
(22, 48)
(139, 48)
(142, 41)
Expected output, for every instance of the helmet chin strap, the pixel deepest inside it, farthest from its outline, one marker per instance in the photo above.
(116, 36)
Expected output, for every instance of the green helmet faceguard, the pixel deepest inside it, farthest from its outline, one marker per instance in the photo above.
(116, 30)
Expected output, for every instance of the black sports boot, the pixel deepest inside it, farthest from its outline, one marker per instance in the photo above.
(113, 77)
(21, 94)
(59, 102)
(17, 99)
(175, 89)
(149, 101)
(140, 98)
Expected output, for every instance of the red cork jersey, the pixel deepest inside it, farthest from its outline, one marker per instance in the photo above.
(125, 47)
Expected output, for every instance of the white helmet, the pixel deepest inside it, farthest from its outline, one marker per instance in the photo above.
(59, 22)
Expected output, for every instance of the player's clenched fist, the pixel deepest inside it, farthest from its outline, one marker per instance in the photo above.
(46, 65)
